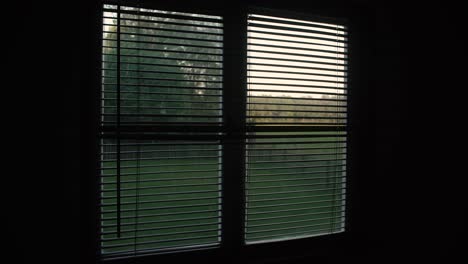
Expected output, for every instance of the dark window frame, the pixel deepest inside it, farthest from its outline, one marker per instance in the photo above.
(234, 249)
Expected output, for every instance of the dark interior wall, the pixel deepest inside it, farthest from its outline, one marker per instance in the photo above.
(418, 211)
(408, 196)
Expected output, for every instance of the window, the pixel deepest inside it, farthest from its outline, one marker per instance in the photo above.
(176, 132)
(296, 112)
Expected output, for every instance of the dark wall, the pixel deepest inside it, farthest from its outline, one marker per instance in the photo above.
(418, 116)
(408, 199)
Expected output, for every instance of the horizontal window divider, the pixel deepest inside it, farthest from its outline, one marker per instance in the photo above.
(158, 242)
(295, 128)
(159, 208)
(297, 23)
(124, 19)
(296, 209)
(158, 172)
(164, 187)
(175, 16)
(296, 215)
(301, 30)
(294, 67)
(293, 227)
(280, 60)
(160, 72)
(155, 235)
(297, 173)
(292, 198)
(277, 34)
(300, 191)
(294, 41)
(292, 204)
(124, 196)
(162, 65)
(160, 215)
(159, 221)
(291, 186)
(338, 58)
(300, 79)
(293, 222)
(163, 58)
(162, 201)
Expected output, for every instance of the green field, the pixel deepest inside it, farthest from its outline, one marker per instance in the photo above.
(171, 192)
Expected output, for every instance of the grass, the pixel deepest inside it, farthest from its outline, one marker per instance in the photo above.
(171, 197)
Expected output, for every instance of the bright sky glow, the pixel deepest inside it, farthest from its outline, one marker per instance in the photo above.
(298, 49)
(277, 59)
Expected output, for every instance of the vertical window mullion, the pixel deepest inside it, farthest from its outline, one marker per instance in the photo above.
(234, 105)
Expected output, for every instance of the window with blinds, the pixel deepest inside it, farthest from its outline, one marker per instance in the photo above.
(169, 128)
(296, 117)
(161, 113)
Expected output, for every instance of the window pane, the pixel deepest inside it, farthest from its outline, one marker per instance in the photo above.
(296, 181)
(295, 186)
(160, 183)
(170, 195)
(166, 70)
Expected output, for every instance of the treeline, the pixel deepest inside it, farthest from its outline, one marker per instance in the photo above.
(168, 76)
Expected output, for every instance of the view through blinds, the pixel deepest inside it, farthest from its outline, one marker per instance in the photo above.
(160, 166)
(163, 142)
(296, 118)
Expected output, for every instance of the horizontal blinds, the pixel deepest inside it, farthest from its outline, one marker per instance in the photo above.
(160, 175)
(161, 68)
(296, 73)
(296, 118)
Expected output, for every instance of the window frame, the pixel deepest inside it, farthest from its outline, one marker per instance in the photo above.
(232, 245)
